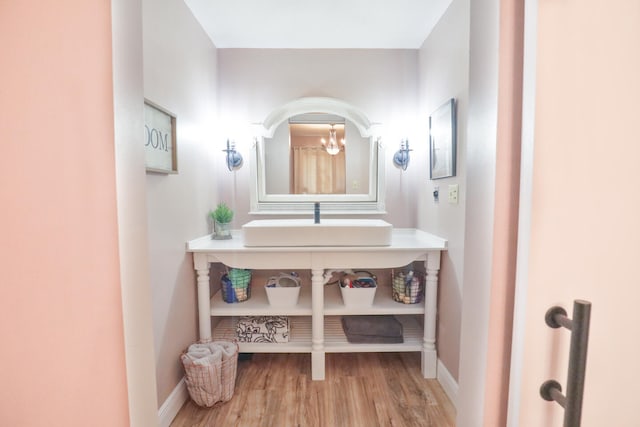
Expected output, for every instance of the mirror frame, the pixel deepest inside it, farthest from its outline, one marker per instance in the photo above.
(291, 204)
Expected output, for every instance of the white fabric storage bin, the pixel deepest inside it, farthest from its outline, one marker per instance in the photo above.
(283, 290)
(358, 295)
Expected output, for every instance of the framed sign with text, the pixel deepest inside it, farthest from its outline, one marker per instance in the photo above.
(160, 146)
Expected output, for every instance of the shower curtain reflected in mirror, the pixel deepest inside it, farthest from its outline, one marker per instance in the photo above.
(314, 171)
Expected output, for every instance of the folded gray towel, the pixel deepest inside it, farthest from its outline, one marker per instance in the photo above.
(373, 339)
(372, 329)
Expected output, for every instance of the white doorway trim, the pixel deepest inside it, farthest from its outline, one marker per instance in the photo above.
(524, 217)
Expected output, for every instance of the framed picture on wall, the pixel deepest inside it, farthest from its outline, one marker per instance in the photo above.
(442, 141)
(160, 145)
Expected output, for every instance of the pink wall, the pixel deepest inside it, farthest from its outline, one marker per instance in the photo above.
(585, 232)
(62, 361)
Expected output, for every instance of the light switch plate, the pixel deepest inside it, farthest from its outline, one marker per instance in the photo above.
(453, 194)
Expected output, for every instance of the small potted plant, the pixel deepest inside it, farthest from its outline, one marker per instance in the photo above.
(221, 216)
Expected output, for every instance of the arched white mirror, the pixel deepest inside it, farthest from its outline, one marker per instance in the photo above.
(317, 150)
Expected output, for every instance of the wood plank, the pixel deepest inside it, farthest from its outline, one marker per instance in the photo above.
(360, 389)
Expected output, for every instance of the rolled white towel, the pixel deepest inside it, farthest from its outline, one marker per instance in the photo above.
(204, 353)
(227, 348)
(197, 351)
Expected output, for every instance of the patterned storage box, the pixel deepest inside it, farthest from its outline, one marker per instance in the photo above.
(263, 329)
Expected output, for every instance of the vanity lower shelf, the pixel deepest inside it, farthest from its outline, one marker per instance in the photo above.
(258, 304)
(383, 303)
(335, 340)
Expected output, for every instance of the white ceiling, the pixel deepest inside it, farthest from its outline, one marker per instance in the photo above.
(311, 24)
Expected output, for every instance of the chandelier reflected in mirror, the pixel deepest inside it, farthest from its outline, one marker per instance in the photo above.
(332, 146)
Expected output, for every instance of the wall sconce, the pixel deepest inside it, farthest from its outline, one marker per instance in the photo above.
(234, 159)
(401, 157)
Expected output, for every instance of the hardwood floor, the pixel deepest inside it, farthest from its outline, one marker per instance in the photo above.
(360, 390)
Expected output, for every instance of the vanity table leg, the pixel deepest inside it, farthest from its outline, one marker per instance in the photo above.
(429, 354)
(317, 324)
(204, 296)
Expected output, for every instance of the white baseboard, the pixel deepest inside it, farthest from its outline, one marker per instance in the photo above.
(449, 385)
(172, 405)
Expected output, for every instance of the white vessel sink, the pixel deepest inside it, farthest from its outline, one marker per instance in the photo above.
(330, 232)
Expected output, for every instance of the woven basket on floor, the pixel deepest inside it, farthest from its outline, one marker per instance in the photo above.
(212, 383)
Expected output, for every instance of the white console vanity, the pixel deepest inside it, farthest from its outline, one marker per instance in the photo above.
(315, 320)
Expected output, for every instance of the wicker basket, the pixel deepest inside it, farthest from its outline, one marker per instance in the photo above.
(211, 381)
(408, 291)
(236, 285)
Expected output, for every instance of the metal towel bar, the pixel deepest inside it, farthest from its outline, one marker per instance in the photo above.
(579, 327)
